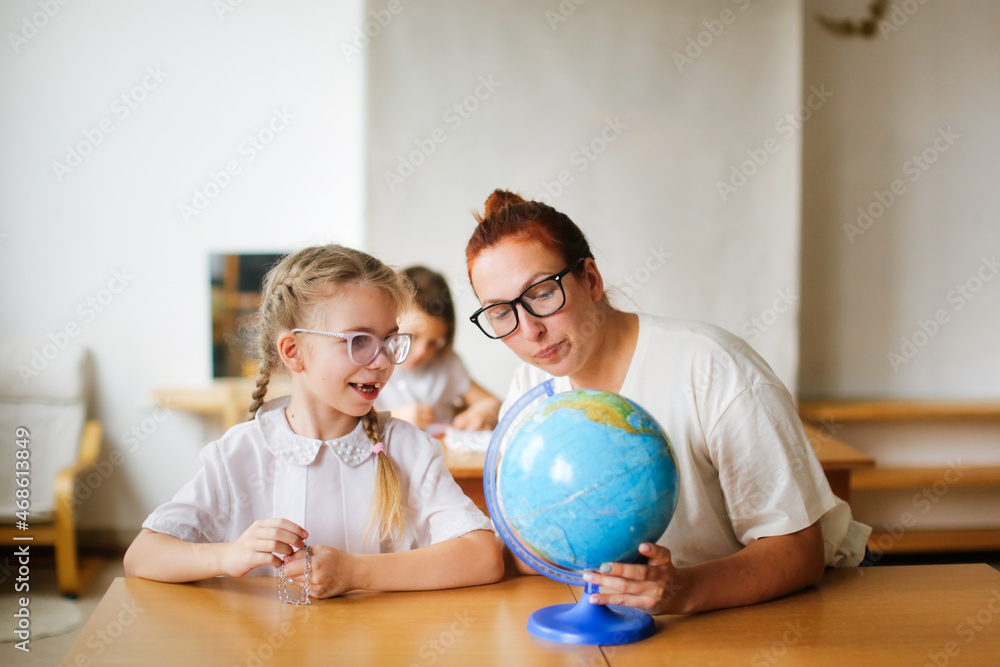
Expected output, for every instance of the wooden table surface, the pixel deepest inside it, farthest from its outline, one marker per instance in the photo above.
(912, 615)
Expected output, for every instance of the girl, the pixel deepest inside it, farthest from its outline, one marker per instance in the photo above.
(432, 386)
(370, 494)
(755, 518)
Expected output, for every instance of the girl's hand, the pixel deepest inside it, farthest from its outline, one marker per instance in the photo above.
(417, 414)
(258, 544)
(655, 588)
(477, 417)
(333, 571)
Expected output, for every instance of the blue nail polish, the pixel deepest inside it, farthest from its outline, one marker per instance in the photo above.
(606, 567)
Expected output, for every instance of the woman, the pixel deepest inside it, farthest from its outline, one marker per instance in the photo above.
(755, 518)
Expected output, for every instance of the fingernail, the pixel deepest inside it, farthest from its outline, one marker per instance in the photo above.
(588, 576)
(644, 547)
(606, 567)
(593, 599)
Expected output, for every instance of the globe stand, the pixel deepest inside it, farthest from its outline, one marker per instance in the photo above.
(579, 623)
(591, 624)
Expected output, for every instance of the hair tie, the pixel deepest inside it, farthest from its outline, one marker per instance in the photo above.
(379, 448)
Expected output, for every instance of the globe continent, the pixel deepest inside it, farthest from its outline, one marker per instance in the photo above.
(587, 477)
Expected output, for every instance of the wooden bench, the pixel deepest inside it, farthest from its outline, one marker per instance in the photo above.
(916, 477)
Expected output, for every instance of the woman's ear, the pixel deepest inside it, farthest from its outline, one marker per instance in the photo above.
(594, 280)
(290, 352)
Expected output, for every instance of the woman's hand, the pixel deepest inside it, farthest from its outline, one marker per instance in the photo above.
(655, 587)
(418, 414)
(333, 571)
(258, 544)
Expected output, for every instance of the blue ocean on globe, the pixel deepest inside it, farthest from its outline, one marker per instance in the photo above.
(586, 477)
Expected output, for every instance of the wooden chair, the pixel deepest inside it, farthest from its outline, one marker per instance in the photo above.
(50, 402)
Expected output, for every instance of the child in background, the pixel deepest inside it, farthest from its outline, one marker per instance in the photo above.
(432, 385)
(371, 494)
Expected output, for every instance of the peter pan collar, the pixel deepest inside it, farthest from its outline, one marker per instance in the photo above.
(352, 449)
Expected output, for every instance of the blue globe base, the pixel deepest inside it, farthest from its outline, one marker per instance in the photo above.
(591, 624)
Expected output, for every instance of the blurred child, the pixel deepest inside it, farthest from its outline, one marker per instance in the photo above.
(316, 464)
(432, 385)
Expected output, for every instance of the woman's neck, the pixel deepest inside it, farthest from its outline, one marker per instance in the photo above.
(317, 421)
(611, 357)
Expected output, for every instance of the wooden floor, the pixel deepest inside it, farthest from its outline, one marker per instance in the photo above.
(51, 650)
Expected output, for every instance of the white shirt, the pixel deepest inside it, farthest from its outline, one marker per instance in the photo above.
(439, 384)
(262, 469)
(745, 465)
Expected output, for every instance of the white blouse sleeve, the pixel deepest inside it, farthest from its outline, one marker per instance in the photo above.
(200, 510)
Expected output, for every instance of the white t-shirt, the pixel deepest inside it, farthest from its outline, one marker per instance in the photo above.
(262, 469)
(745, 465)
(440, 383)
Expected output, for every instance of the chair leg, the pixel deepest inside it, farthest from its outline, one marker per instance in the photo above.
(67, 566)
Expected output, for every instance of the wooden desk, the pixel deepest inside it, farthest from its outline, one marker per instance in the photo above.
(882, 615)
(838, 459)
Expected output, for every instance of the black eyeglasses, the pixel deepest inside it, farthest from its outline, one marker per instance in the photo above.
(541, 299)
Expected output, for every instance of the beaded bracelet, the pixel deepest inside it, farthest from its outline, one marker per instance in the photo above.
(283, 582)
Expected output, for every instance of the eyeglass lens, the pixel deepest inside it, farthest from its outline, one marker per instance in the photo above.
(540, 300)
(365, 347)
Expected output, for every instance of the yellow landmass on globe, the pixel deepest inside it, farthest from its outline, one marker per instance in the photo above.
(602, 408)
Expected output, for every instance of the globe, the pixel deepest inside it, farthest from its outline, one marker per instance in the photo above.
(583, 479)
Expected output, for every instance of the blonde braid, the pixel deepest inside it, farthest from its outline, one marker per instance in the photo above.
(387, 511)
(258, 394)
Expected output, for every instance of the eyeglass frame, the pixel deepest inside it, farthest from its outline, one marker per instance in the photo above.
(380, 344)
(519, 300)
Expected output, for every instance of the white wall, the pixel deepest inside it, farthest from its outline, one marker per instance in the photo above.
(65, 236)
(883, 310)
(870, 285)
(556, 80)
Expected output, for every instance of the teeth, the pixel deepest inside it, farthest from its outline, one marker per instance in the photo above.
(377, 385)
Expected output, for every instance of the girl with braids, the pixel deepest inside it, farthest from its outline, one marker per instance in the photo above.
(432, 386)
(369, 493)
(755, 518)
